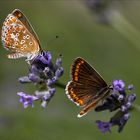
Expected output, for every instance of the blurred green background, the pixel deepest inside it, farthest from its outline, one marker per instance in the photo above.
(112, 48)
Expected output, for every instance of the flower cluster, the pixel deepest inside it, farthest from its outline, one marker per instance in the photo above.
(44, 74)
(120, 102)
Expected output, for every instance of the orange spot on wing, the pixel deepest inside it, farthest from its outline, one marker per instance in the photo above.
(19, 15)
(13, 19)
(80, 102)
(76, 78)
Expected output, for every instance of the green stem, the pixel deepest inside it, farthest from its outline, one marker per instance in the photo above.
(60, 85)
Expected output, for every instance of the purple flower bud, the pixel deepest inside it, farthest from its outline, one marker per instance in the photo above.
(59, 72)
(104, 126)
(128, 105)
(126, 116)
(34, 69)
(54, 79)
(45, 58)
(52, 91)
(130, 87)
(122, 121)
(47, 55)
(124, 108)
(24, 79)
(118, 85)
(26, 99)
(49, 82)
(34, 78)
(47, 72)
(59, 62)
(121, 97)
(131, 97)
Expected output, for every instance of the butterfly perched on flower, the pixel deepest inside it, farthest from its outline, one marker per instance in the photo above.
(19, 37)
(86, 88)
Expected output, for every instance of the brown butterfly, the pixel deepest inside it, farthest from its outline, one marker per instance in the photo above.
(19, 37)
(87, 88)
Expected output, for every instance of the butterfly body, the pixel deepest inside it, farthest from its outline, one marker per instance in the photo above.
(87, 88)
(19, 37)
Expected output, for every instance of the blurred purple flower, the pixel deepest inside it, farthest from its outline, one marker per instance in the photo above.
(44, 74)
(102, 9)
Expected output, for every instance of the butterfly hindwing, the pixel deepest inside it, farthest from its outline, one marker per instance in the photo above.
(78, 93)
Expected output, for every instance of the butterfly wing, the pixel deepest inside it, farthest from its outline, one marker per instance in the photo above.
(26, 22)
(87, 87)
(19, 37)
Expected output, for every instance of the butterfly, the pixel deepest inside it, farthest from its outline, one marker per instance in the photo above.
(19, 37)
(87, 88)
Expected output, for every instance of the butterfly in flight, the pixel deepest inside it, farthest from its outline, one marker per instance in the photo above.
(19, 37)
(87, 88)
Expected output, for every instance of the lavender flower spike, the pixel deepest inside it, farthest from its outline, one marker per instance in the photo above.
(44, 74)
(117, 101)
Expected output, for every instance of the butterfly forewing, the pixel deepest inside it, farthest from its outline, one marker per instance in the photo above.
(26, 23)
(82, 72)
(19, 37)
(87, 87)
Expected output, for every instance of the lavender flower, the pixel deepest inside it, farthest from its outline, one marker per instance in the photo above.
(118, 85)
(104, 126)
(26, 99)
(120, 102)
(44, 74)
